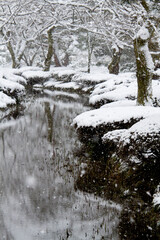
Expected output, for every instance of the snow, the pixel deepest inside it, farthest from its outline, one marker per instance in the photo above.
(120, 90)
(5, 100)
(148, 57)
(12, 86)
(9, 80)
(113, 135)
(58, 84)
(97, 75)
(14, 78)
(36, 74)
(150, 125)
(94, 77)
(156, 198)
(24, 69)
(109, 115)
(30, 181)
(60, 71)
(157, 71)
(143, 33)
(116, 87)
(120, 103)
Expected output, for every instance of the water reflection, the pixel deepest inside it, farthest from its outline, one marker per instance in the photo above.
(37, 174)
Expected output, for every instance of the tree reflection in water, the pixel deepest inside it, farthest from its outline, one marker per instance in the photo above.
(38, 169)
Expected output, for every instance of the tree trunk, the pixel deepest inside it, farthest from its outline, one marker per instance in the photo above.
(89, 52)
(90, 45)
(66, 60)
(10, 49)
(114, 65)
(57, 60)
(145, 67)
(48, 59)
(15, 61)
(15, 64)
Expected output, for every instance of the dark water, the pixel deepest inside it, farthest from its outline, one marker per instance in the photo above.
(38, 170)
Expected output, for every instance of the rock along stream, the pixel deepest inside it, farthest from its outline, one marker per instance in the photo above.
(38, 170)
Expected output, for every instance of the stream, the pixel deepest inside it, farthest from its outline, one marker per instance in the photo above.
(38, 170)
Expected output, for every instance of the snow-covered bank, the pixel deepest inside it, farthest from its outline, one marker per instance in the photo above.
(126, 137)
(106, 87)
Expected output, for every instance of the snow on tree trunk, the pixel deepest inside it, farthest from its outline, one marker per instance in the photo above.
(114, 65)
(145, 67)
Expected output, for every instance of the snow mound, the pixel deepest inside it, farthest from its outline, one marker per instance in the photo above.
(25, 69)
(95, 77)
(109, 115)
(5, 100)
(14, 78)
(61, 85)
(121, 103)
(36, 74)
(61, 71)
(113, 136)
(150, 126)
(10, 85)
(115, 88)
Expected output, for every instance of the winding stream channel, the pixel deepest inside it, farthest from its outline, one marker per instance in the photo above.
(38, 170)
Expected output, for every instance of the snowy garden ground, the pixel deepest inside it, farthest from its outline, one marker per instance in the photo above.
(120, 124)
